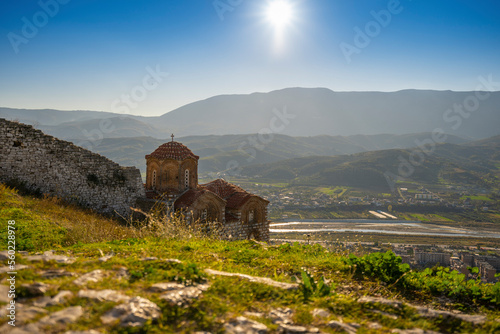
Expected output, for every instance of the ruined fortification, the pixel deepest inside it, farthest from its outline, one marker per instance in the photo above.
(56, 167)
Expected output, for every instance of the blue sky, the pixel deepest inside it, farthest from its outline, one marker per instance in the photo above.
(90, 54)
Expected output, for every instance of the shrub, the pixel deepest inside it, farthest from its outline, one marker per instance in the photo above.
(386, 267)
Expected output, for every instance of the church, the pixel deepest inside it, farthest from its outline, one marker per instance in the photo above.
(172, 177)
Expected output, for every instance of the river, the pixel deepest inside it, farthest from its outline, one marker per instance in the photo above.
(404, 227)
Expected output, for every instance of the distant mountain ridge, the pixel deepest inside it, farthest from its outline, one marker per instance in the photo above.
(293, 112)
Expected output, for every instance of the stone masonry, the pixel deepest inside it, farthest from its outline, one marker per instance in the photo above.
(59, 168)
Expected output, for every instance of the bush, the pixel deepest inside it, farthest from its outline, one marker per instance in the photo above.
(386, 267)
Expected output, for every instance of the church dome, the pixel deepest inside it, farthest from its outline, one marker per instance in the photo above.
(172, 150)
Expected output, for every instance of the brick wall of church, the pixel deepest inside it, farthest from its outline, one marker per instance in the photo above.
(56, 167)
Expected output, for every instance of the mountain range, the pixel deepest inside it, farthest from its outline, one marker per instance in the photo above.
(302, 135)
(290, 111)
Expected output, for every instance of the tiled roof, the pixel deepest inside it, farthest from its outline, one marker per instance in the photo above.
(234, 195)
(223, 188)
(172, 150)
(190, 196)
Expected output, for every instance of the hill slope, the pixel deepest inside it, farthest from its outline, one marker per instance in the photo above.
(472, 164)
(164, 283)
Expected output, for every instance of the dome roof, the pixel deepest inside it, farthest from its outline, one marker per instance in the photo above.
(172, 150)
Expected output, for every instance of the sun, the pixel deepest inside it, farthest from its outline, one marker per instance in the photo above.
(279, 13)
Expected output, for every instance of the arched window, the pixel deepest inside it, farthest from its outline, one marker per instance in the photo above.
(154, 179)
(186, 178)
(204, 214)
(251, 216)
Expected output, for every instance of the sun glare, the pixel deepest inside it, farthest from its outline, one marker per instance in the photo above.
(279, 13)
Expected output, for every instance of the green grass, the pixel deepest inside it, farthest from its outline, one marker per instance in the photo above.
(441, 218)
(477, 198)
(53, 224)
(333, 191)
(48, 222)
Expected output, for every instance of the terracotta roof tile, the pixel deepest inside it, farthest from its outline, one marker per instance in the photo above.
(172, 150)
(234, 195)
(189, 197)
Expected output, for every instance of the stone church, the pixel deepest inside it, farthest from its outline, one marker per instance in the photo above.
(172, 177)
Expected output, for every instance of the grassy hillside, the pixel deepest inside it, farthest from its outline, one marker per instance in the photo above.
(44, 223)
(375, 293)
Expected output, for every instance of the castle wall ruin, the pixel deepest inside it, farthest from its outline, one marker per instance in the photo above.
(59, 168)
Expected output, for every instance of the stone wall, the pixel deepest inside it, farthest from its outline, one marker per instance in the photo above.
(240, 231)
(56, 167)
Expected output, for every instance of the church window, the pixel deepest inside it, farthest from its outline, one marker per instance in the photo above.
(186, 178)
(154, 179)
(204, 214)
(250, 216)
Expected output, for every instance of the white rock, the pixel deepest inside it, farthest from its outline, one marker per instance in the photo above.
(256, 279)
(9, 269)
(340, 325)
(37, 288)
(183, 296)
(65, 316)
(102, 295)
(133, 313)
(291, 329)
(105, 258)
(253, 314)
(162, 287)
(25, 314)
(281, 315)
(321, 313)
(55, 273)
(242, 325)
(93, 276)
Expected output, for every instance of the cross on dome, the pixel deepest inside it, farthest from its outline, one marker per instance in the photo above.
(172, 137)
